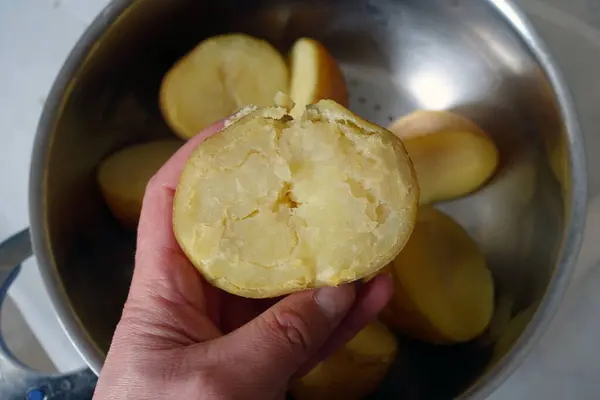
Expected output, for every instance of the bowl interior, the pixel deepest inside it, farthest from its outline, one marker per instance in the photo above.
(397, 56)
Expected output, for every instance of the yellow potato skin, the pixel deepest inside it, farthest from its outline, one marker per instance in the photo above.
(221, 75)
(512, 332)
(354, 371)
(426, 122)
(444, 291)
(123, 176)
(273, 205)
(451, 155)
(558, 156)
(315, 75)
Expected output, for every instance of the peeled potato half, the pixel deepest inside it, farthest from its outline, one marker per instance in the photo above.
(352, 372)
(218, 77)
(426, 122)
(273, 205)
(315, 76)
(123, 177)
(452, 156)
(444, 292)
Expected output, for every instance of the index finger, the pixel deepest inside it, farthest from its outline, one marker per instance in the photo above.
(155, 229)
(168, 175)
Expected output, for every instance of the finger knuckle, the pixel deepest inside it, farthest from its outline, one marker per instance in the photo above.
(292, 329)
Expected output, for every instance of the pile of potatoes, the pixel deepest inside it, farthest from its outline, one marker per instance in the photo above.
(444, 292)
(219, 77)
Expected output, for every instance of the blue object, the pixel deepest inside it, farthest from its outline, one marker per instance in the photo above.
(35, 394)
(78, 385)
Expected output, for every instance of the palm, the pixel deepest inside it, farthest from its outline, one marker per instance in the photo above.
(229, 312)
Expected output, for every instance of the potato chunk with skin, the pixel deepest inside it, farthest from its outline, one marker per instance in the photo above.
(354, 371)
(315, 76)
(451, 155)
(444, 292)
(123, 176)
(218, 77)
(272, 205)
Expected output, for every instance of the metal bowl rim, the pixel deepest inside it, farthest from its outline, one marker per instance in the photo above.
(574, 216)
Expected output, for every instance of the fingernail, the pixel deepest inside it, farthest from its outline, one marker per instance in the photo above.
(335, 301)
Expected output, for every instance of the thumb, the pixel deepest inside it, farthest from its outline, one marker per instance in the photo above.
(279, 341)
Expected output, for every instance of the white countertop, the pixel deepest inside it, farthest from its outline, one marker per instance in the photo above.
(37, 35)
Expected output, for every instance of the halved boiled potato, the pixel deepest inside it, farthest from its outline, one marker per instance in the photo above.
(352, 372)
(123, 177)
(315, 76)
(452, 156)
(273, 205)
(218, 77)
(444, 289)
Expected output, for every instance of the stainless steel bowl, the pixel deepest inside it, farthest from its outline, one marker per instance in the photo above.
(478, 58)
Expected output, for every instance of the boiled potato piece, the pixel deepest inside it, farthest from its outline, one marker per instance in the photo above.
(123, 177)
(513, 331)
(218, 77)
(425, 122)
(558, 155)
(273, 205)
(354, 371)
(315, 76)
(452, 156)
(444, 289)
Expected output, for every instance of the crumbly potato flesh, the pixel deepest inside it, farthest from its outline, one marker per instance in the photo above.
(452, 156)
(315, 76)
(272, 205)
(218, 77)
(123, 177)
(354, 371)
(444, 289)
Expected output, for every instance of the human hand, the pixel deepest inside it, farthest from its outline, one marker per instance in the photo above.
(181, 338)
